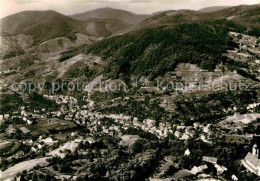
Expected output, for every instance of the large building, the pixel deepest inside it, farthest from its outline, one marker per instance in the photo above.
(252, 161)
(129, 140)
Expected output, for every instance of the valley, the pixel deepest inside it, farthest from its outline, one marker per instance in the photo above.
(112, 95)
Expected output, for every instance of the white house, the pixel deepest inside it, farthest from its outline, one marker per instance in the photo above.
(185, 137)
(177, 134)
(24, 130)
(234, 178)
(29, 121)
(74, 134)
(149, 122)
(6, 116)
(220, 169)
(128, 140)
(210, 159)
(33, 149)
(90, 140)
(206, 129)
(135, 119)
(196, 125)
(39, 146)
(49, 140)
(199, 169)
(23, 113)
(187, 152)
(1, 120)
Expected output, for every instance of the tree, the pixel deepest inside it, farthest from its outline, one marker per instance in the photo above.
(137, 147)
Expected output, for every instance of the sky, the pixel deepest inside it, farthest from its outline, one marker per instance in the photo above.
(69, 7)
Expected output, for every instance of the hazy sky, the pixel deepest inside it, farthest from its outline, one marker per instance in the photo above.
(69, 7)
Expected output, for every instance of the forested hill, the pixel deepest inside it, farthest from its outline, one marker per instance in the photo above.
(152, 51)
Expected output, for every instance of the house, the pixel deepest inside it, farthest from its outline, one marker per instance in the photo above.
(246, 118)
(29, 121)
(49, 141)
(209, 159)
(90, 140)
(58, 113)
(243, 55)
(10, 129)
(177, 134)
(105, 130)
(24, 119)
(39, 146)
(24, 130)
(6, 116)
(74, 134)
(252, 161)
(181, 127)
(187, 152)
(23, 113)
(15, 113)
(199, 169)
(206, 129)
(149, 122)
(128, 140)
(36, 111)
(196, 125)
(67, 118)
(185, 137)
(251, 106)
(220, 169)
(33, 149)
(1, 119)
(234, 178)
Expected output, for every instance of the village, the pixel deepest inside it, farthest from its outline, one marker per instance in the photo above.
(248, 51)
(115, 125)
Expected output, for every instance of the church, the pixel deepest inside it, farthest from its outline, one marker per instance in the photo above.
(252, 161)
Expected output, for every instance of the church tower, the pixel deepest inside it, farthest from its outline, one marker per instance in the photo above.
(255, 151)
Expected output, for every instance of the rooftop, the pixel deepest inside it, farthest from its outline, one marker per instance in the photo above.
(252, 159)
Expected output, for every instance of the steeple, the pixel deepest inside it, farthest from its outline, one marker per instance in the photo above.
(255, 151)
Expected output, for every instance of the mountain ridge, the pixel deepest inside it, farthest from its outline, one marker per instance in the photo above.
(213, 8)
(107, 12)
(42, 26)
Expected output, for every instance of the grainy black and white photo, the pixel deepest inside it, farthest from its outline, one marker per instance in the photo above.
(129, 90)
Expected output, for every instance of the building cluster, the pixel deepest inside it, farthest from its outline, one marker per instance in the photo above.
(100, 124)
(248, 51)
(28, 117)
